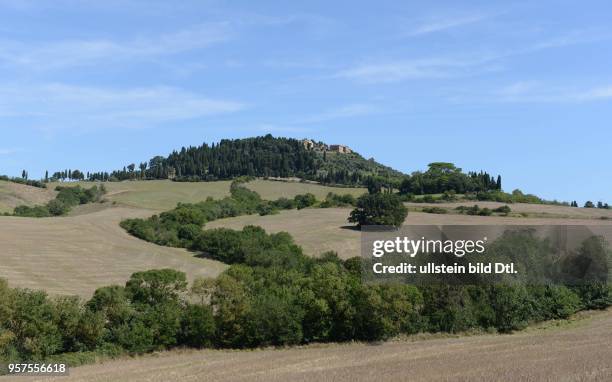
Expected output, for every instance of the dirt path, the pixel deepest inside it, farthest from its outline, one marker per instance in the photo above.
(580, 351)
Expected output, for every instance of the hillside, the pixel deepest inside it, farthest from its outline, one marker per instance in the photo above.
(78, 254)
(15, 194)
(265, 156)
(544, 352)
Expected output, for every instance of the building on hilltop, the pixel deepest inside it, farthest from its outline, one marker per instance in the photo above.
(308, 144)
(340, 149)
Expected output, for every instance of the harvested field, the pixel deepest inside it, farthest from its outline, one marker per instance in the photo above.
(272, 190)
(163, 195)
(580, 351)
(14, 194)
(325, 229)
(77, 254)
(536, 210)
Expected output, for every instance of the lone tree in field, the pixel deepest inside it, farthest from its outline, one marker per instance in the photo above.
(379, 209)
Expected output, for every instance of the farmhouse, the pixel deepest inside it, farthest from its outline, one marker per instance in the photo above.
(340, 149)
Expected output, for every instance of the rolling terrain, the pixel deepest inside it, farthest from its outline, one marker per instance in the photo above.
(78, 254)
(576, 351)
(319, 230)
(87, 249)
(14, 194)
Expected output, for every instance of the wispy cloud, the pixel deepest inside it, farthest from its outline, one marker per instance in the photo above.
(346, 111)
(8, 151)
(442, 24)
(65, 106)
(464, 64)
(68, 53)
(535, 92)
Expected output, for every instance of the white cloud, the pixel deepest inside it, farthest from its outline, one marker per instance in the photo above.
(346, 111)
(395, 71)
(388, 71)
(441, 24)
(533, 92)
(8, 151)
(68, 53)
(65, 106)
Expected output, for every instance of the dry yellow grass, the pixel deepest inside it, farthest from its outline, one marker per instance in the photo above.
(540, 210)
(163, 195)
(272, 190)
(578, 352)
(77, 254)
(326, 229)
(13, 195)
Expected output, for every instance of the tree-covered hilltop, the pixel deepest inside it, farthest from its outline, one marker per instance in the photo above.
(265, 156)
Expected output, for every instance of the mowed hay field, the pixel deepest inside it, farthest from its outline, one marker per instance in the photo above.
(13, 195)
(78, 254)
(164, 195)
(533, 210)
(319, 230)
(577, 351)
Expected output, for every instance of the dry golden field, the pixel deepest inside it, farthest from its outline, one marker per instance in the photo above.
(13, 195)
(87, 249)
(576, 351)
(78, 254)
(163, 195)
(326, 229)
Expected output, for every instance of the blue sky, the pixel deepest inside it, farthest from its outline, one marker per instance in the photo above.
(518, 88)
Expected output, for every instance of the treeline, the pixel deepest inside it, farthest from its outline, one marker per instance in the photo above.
(67, 197)
(272, 295)
(442, 177)
(24, 180)
(182, 225)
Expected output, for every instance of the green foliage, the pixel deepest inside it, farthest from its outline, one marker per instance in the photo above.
(27, 182)
(335, 200)
(304, 200)
(442, 177)
(379, 209)
(434, 210)
(66, 198)
(274, 295)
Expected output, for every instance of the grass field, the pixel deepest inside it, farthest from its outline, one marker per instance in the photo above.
(76, 255)
(271, 190)
(532, 210)
(579, 351)
(13, 194)
(326, 229)
(163, 195)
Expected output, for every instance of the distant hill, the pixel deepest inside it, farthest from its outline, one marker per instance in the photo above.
(265, 156)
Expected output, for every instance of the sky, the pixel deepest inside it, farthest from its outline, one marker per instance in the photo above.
(521, 89)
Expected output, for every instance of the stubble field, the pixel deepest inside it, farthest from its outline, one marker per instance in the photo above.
(579, 351)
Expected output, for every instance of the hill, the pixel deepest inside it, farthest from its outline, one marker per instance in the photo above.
(78, 254)
(265, 156)
(544, 352)
(14, 194)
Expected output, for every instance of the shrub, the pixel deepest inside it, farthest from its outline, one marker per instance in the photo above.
(379, 209)
(434, 210)
(503, 210)
(304, 200)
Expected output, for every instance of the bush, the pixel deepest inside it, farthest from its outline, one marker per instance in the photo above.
(503, 210)
(434, 210)
(379, 209)
(197, 326)
(335, 200)
(304, 201)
